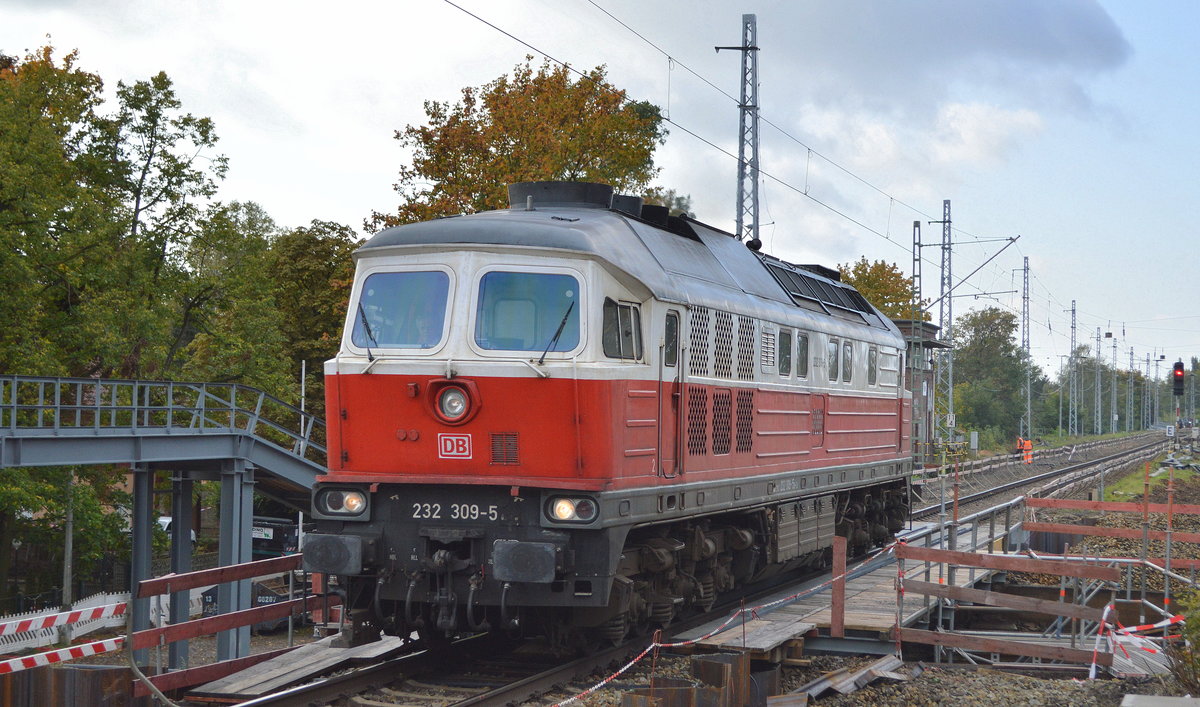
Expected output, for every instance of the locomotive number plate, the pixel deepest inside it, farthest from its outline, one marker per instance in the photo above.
(455, 511)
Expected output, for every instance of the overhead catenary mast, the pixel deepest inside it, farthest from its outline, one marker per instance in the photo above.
(944, 373)
(1097, 427)
(1027, 419)
(747, 196)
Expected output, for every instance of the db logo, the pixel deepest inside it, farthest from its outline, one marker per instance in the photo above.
(454, 446)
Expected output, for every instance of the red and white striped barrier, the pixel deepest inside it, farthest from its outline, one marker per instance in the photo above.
(66, 617)
(58, 656)
(1178, 619)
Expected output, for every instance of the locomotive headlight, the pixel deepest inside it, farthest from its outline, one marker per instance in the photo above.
(571, 510)
(347, 502)
(563, 509)
(452, 403)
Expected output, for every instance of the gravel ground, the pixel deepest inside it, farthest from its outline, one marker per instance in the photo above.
(950, 686)
(935, 686)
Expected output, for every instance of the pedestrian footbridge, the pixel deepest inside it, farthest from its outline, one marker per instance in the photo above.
(238, 435)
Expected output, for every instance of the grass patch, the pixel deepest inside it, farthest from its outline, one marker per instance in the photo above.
(1131, 485)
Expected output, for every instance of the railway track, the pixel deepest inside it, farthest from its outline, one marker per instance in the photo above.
(1004, 483)
(487, 669)
(490, 669)
(495, 670)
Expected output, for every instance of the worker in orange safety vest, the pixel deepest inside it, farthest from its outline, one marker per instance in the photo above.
(1028, 451)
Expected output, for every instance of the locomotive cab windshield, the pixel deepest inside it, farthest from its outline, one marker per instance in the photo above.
(402, 310)
(527, 311)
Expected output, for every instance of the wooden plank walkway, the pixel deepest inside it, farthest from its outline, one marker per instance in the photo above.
(871, 598)
(870, 607)
(307, 661)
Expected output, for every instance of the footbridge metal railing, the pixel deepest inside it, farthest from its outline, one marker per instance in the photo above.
(58, 421)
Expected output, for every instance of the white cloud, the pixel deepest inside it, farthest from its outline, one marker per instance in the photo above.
(977, 133)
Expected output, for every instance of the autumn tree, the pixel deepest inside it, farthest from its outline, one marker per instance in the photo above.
(884, 286)
(535, 124)
(55, 205)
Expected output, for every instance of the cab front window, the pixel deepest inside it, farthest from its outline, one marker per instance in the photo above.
(525, 311)
(401, 310)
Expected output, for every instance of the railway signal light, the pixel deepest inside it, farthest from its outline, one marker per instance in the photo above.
(1177, 377)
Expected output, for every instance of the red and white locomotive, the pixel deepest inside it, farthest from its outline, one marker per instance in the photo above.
(583, 416)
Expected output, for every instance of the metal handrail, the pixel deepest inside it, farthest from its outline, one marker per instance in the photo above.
(75, 405)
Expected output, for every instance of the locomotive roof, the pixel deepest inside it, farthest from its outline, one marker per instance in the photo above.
(681, 260)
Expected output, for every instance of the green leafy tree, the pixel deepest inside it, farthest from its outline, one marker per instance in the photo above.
(116, 263)
(54, 205)
(312, 270)
(885, 286)
(234, 328)
(167, 171)
(530, 125)
(989, 370)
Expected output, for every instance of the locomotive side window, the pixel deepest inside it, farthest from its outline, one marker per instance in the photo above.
(525, 311)
(622, 330)
(832, 360)
(401, 310)
(671, 354)
(802, 355)
(785, 352)
(847, 360)
(872, 366)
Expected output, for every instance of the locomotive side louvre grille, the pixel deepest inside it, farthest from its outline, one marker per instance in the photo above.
(698, 356)
(745, 420)
(745, 349)
(721, 420)
(505, 449)
(723, 351)
(768, 351)
(697, 439)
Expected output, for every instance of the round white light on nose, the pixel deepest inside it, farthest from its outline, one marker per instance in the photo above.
(563, 509)
(452, 403)
(354, 502)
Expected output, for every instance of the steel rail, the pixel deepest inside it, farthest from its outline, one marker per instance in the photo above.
(1053, 474)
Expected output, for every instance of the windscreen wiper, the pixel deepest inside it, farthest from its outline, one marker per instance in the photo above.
(557, 333)
(362, 314)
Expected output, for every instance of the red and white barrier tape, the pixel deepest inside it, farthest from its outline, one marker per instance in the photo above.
(742, 612)
(66, 617)
(1149, 627)
(60, 655)
(1099, 636)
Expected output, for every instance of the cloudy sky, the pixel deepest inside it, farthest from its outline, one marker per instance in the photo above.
(1068, 122)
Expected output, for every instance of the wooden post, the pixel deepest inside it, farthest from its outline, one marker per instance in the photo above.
(837, 608)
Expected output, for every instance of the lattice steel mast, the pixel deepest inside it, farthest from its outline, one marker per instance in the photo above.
(1073, 373)
(747, 196)
(1129, 395)
(1027, 419)
(1113, 397)
(1096, 419)
(944, 375)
